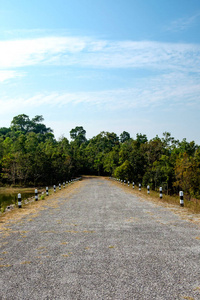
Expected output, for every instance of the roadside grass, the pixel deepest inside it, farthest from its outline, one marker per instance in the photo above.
(192, 206)
(31, 208)
(24, 201)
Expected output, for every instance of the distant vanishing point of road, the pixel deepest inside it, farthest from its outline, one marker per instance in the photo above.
(93, 240)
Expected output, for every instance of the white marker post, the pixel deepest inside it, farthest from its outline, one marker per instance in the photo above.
(181, 198)
(64, 184)
(148, 189)
(133, 185)
(54, 188)
(59, 186)
(36, 195)
(139, 186)
(124, 182)
(128, 183)
(19, 200)
(47, 191)
(160, 192)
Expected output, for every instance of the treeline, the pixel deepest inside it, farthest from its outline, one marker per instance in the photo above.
(30, 155)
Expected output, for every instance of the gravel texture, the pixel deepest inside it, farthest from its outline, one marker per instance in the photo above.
(99, 242)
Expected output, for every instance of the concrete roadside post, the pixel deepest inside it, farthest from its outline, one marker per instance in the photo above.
(133, 185)
(59, 186)
(148, 189)
(181, 198)
(19, 200)
(160, 192)
(139, 186)
(47, 191)
(36, 195)
(54, 188)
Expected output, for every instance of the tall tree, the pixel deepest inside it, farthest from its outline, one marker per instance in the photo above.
(124, 136)
(78, 134)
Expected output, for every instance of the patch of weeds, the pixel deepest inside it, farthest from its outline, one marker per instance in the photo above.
(41, 248)
(71, 231)
(42, 197)
(25, 262)
(5, 266)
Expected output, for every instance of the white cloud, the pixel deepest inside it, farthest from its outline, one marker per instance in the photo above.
(163, 91)
(183, 23)
(9, 74)
(88, 52)
(20, 53)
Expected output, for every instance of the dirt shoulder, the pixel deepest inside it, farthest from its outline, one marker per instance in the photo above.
(182, 212)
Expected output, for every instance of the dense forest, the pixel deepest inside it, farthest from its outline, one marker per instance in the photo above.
(30, 155)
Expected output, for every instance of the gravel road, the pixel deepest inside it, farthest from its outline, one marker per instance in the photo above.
(94, 240)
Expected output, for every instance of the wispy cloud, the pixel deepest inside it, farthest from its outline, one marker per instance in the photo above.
(22, 53)
(183, 23)
(87, 52)
(9, 74)
(164, 91)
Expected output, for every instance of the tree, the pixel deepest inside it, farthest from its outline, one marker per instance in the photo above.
(124, 136)
(4, 131)
(38, 127)
(23, 124)
(187, 172)
(110, 161)
(141, 139)
(78, 135)
(124, 171)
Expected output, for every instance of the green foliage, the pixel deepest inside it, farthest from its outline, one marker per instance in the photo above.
(78, 135)
(124, 137)
(30, 155)
(123, 171)
(23, 124)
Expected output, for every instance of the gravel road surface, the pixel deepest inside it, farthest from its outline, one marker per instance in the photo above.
(95, 240)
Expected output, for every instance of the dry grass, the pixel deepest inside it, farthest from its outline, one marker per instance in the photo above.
(190, 211)
(25, 262)
(12, 190)
(32, 209)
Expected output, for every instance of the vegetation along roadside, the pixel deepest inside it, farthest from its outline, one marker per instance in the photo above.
(31, 156)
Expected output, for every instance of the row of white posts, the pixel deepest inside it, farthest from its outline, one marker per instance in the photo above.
(148, 189)
(47, 191)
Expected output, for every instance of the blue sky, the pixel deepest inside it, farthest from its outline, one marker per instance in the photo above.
(106, 65)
